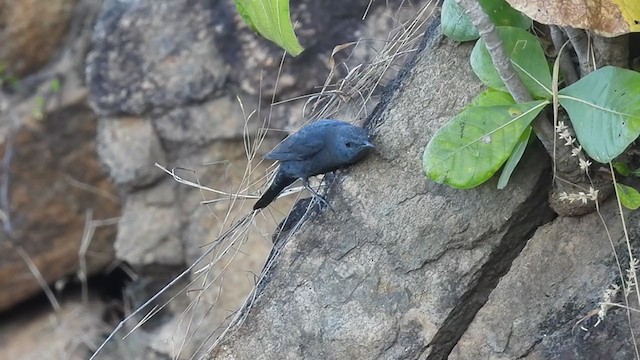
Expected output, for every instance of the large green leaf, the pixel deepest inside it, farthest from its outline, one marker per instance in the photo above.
(502, 14)
(457, 26)
(495, 97)
(629, 197)
(604, 108)
(271, 19)
(471, 147)
(491, 97)
(527, 58)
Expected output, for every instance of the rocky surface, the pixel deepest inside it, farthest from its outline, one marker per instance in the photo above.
(399, 268)
(129, 147)
(396, 270)
(55, 178)
(546, 306)
(37, 334)
(422, 276)
(178, 83)
(31, 33)
(153, 55)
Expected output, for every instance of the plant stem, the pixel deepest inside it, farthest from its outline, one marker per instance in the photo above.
(580, 42)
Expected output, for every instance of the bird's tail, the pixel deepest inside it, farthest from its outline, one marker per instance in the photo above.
(280, 182)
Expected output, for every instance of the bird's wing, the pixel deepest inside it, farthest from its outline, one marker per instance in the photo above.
(296, 147)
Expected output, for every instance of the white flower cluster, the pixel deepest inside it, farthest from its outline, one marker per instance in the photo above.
(581, 196)
(608, 297)
(564, 134)
(576, 150)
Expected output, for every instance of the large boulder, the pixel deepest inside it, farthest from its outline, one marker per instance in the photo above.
(412, 269)
(400, 267)
(31, 32)
(55, 181)
(186, 84)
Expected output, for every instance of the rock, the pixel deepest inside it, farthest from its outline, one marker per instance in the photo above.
(546, 306)
(61, 82)
(321, 26)
(400, 266)
(164, 227)
(148, 228)
(129, 147)
(31, 32)
(39, 333)
(55, 179)
(198, 125)
(152, 54)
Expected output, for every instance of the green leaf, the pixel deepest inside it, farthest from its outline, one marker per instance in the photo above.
(271, 19)
(604, 108)
(55, 85)
(622, 168)
(473, 145)
(457, 26)
(527, 58)
(502, 14)
(514, 159)
(491, 97)
(629, 197)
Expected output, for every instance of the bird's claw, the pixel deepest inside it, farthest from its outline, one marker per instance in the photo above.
(316, 196)
(323, 201)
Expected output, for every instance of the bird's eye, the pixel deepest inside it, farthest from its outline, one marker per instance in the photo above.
(349, 144)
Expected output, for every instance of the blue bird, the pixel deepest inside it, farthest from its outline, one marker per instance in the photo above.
(321, 147)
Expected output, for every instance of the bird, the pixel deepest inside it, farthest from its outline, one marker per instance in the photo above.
(321, 147)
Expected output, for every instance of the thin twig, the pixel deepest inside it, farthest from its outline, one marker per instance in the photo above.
(568, 71)
(621, 273)
(90, 227)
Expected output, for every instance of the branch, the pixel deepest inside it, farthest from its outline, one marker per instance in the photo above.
(501, 61)
(580, 42)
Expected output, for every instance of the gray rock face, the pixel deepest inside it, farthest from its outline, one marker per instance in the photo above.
(129, 147)
(156, 209)
(153, 54)
(407, 269)
(546, 306)
(322, 25)
(198, 125)
(400, 266)
(164, 54)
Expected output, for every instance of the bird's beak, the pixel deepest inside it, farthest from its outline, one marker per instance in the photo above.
(368, 145)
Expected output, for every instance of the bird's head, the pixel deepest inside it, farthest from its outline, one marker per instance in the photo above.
(353, 143)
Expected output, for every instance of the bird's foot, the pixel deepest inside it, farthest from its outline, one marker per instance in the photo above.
(317, 197)
(323, 201)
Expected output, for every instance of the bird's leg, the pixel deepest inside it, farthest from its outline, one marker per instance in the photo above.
(320, 198)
